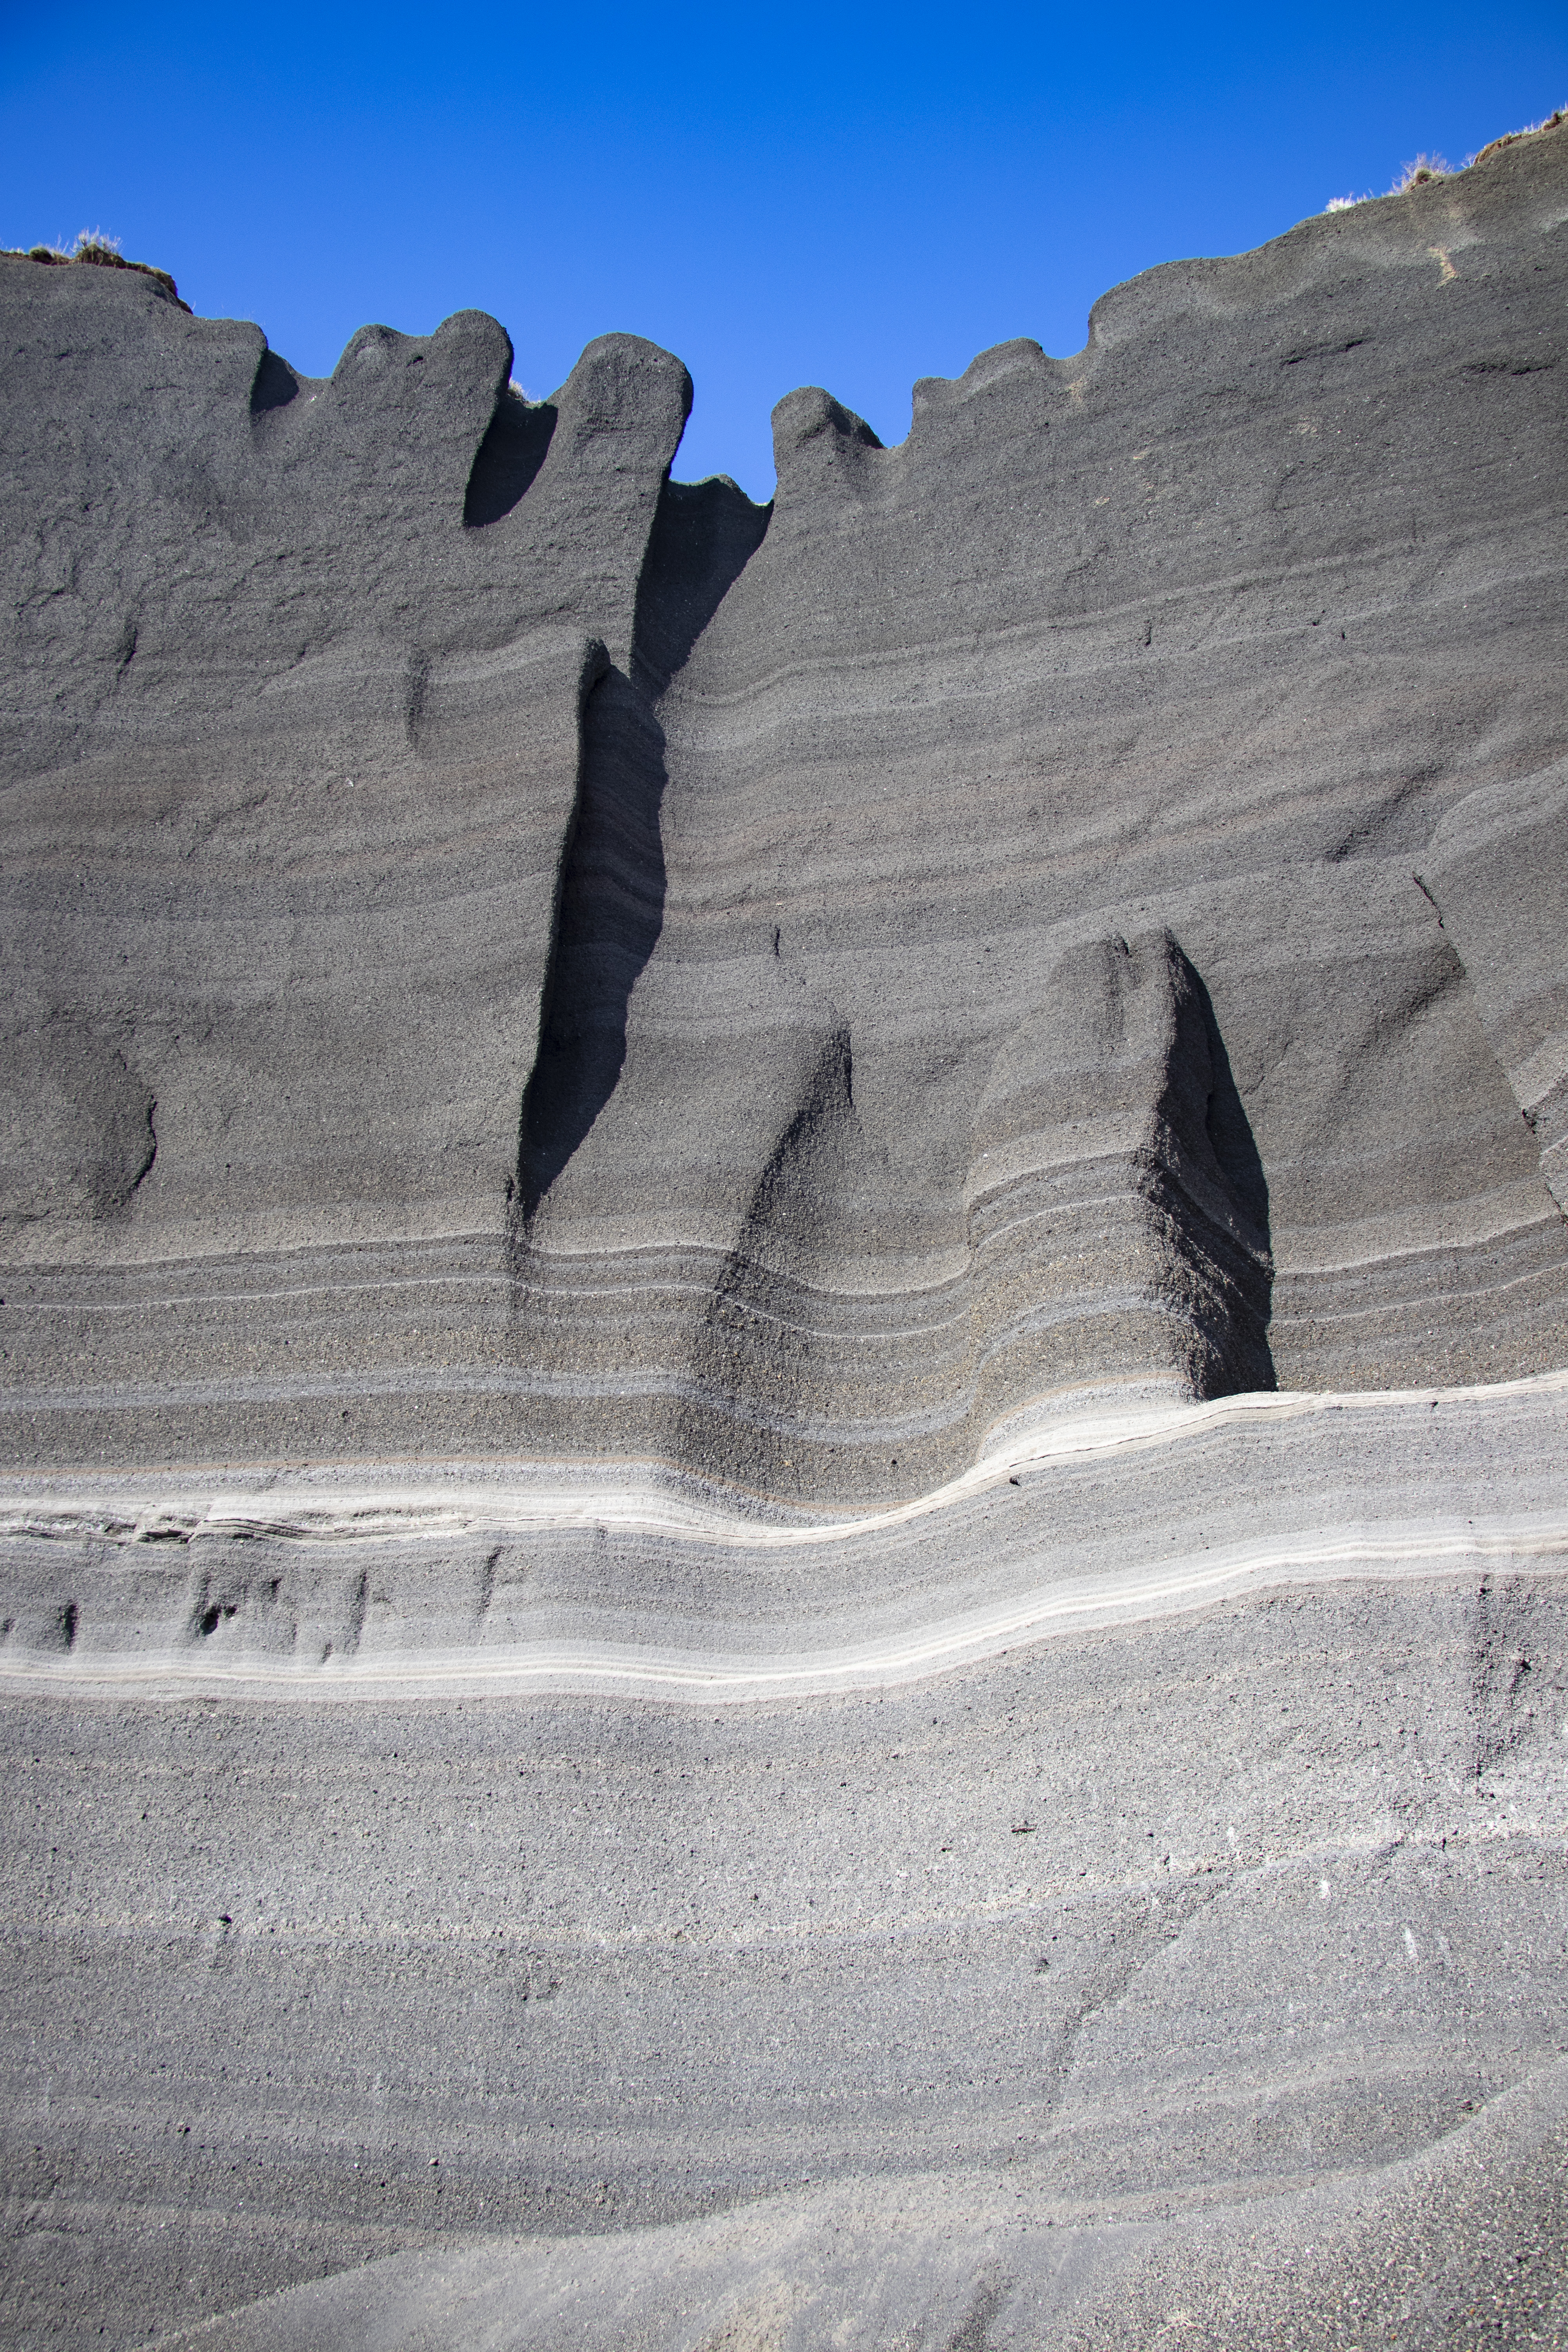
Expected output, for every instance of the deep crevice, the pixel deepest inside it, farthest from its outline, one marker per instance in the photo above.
(788, 1198)
(610, 904)
(704, 534)
(790, 1226)
(1229, 1129)
(274, 384)
(1127, 1035)
(610, 914)
(1234, 1267)
(516, 444)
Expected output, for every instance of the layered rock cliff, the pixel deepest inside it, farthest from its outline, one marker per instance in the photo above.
(507, 953)
(784, 1315)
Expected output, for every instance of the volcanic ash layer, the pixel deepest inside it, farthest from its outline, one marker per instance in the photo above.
(510, 955)
(783, 1300)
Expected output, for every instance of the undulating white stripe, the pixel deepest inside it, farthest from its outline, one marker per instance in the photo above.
(402, 1502)
(1441, 1548)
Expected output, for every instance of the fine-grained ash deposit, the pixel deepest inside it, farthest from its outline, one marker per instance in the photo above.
(785, 1313)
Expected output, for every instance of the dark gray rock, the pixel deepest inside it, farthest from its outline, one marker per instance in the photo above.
(1497, 870)
(783, 1296)
(483, 857)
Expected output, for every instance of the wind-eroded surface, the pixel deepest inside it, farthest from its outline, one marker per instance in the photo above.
(784, 1297)
(507, 954)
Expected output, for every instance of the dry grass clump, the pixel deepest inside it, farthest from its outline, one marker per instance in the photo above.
(1427, 170)
(98, 250)
(1531, 129)
(1419, 174)
(1424, 171)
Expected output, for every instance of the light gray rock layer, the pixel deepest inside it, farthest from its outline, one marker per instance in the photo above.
(377, 1884)
(1415, 2252)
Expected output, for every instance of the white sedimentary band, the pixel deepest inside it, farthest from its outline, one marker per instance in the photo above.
(360, 1503)
(1442, 1548)
(740, 1653)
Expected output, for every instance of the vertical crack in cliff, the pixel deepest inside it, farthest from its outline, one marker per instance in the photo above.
(1117, 1212)
(515, 445)
(788, 1200)
(608, 915)
(273, 386)
(1221, 1193)
(610, 908)
(704, 534)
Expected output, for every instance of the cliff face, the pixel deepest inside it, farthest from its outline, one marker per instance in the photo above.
(542, 959)
(785, 1329)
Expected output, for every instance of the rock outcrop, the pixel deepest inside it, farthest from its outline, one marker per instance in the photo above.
(672, 980)
(785, 1319)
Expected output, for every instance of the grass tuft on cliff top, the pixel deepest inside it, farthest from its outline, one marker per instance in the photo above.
(98, 250)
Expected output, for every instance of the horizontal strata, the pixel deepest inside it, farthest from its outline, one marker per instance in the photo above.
(552, 961)
(925, 1125)
(867, 2264)
(354, 1582)
(1189, 1914)
(1454, 1548)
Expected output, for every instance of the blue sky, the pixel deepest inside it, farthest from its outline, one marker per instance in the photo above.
(851, 197)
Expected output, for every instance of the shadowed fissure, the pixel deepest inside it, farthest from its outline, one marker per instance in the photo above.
(1232, 1247)
(610, 909)
(610, 914)
(752, 1354)
(516, 444)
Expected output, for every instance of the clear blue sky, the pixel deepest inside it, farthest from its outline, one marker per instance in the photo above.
(853, 197)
